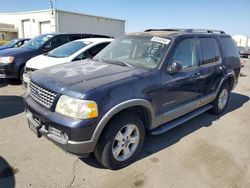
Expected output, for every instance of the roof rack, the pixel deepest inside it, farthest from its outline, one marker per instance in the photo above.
(149, 30)
(189, 30)
(206, 31)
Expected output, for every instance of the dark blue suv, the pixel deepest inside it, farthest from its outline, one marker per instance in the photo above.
(148, 81)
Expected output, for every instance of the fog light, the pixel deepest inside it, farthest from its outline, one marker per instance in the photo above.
(58, 135)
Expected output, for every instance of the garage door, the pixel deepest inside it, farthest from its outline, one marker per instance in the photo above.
(45, 27)
(26, 28)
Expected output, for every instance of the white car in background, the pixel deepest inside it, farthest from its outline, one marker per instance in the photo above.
(72, 51)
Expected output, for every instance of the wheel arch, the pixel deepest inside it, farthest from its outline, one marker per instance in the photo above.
(136, 105)
(230, 78)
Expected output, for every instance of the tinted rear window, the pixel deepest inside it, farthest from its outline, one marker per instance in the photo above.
(209, 50)
(229, 47)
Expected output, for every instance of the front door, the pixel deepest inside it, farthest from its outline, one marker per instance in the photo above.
(183, 87)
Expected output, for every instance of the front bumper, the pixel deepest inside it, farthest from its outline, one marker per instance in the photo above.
(73, 136)
(26, 80)
(8, 71)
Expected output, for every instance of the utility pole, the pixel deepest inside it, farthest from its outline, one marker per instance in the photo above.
(52, 7)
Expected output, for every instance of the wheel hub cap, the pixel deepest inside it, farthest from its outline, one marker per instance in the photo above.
(223, 99)
(126, 142)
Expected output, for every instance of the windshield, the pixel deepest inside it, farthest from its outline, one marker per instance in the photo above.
(11, 43)
(135, 51)
(37, 42)
(67, 49)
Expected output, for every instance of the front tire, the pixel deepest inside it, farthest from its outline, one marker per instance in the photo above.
(121, 142)
(221, 100)
(21, 71)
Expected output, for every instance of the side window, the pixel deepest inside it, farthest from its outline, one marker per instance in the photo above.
(186, 54)
(96, 49)
(81, 56)
(229, 47)
(58, 41)
(74, 37)
(209, 50)
(18, 44)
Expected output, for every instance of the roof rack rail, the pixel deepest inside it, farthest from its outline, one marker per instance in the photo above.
(149, 30)
(206, 31)
(189, 30)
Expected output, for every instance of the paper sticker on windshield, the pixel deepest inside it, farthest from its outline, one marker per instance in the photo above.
(161, 40)
(49, 36)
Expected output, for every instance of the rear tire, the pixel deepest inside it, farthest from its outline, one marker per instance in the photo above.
(121, 142)
(221, 100)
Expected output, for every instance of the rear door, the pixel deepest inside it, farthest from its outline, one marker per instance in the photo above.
(211, 67)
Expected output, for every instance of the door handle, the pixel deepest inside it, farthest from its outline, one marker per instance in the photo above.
(196, 75)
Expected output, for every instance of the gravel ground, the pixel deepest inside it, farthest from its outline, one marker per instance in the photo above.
(207, 151)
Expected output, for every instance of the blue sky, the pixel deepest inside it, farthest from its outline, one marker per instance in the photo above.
(231, 16)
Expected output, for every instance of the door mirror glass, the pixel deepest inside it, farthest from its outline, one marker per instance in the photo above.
(47, 47)
(174, 67)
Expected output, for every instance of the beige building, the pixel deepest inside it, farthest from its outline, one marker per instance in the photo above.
(7, 31)
(242, 40)
(33, 23)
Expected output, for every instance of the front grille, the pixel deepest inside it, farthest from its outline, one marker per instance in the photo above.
(29, 70)
(43, 96)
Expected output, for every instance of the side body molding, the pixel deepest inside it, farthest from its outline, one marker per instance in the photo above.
(118, 108)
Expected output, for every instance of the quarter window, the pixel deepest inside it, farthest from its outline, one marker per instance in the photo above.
(96, 49)
(209, 50)
(229, 47)
(186, 54)
(58, 41)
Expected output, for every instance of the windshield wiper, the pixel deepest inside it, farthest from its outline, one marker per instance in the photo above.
(121, 62)
(117, 62)
(49, 55)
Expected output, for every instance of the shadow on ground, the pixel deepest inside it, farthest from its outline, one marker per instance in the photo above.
(154, 144)
(7, 178)
(10, 105)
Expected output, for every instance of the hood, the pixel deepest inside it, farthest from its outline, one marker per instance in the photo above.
(4, 47)
(16, 52)
(76, 77)
(43, 61)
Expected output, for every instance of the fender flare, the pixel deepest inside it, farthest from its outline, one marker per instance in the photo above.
(229, 75)
(119, 107)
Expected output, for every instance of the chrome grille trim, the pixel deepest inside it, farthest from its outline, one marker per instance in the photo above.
(43, 96)
(30, 69)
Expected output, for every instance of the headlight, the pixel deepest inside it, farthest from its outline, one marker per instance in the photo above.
(8, 59)
(76, 108)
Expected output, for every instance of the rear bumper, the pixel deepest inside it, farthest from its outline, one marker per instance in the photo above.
(244, 55)
(71, 135)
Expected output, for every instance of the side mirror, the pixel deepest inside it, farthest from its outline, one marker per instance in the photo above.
(47, 48)
(174, 67)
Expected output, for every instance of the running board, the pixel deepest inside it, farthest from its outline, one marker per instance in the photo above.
(174, 123)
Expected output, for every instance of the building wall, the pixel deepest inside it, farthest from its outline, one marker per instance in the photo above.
(7, 32)
(241, 40)
(7, 35)
(73, 22)
(33, 18)
(34, 23)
